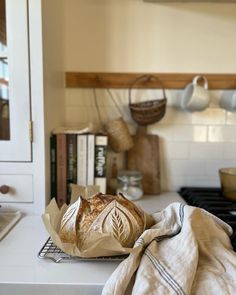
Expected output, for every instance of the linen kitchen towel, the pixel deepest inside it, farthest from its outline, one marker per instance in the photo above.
(187, 251)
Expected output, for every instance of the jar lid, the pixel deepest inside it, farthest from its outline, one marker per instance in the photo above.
(129, 175)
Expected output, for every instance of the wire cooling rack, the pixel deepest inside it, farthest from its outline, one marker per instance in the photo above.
(52, 252)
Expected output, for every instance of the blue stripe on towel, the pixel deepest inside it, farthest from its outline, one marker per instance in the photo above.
(164, 274)
(181, 217)
(160, 238)
(140, 241)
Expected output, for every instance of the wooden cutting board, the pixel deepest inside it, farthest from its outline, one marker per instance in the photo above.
(144, 157)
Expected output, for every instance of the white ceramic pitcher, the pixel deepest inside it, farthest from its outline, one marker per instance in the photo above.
(195, 96)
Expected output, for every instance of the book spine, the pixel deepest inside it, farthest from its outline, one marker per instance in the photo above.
(53, 166)
(82, 159)
(61, 169)
(90, 159)
(71, 162)
(100, 162)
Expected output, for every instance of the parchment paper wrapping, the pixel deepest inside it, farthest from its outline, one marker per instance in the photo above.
(97, 244)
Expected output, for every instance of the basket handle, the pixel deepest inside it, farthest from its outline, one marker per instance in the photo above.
(97, 108)
(99, 80)
(146, 78)
(96, 101)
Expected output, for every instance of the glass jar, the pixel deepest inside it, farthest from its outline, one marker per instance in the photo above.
(130, 184)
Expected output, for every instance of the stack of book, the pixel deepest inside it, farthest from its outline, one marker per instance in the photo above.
(79, 159)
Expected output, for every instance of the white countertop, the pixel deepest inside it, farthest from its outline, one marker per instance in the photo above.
(22, 272)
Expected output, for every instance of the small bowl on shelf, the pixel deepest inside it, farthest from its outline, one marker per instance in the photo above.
(228, 182)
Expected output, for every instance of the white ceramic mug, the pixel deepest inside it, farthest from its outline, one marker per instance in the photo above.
(228, 103)
(196, 97)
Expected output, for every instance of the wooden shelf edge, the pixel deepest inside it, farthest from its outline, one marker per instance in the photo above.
(125, 80)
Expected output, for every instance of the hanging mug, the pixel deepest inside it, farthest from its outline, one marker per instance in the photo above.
(195, 96)
(228, 103)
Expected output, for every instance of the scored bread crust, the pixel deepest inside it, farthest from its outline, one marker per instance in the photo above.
(103, 213)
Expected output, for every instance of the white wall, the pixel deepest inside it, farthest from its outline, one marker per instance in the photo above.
(135, 36)
(53, 67)
(132, 35)
(47, 89)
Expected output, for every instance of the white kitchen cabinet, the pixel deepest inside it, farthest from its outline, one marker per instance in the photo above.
(15, 86)
(33, 86)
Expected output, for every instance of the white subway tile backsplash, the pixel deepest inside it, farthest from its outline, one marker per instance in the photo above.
(175, 150)
(187, 167)
(200, 133)
(174, 98)
(206, 150)
(180, 132)
(175, 116)
(193, 146)
(173, 183)
(213, 166)
(216, 133)
(204, 181)
(229, 133)
(210, 116)
(104, 97)
(231, 118)
(229, 150)
(178, 167)
(214, 98)
(164, 131)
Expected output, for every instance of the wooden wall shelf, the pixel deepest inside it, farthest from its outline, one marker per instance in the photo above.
(124, 80)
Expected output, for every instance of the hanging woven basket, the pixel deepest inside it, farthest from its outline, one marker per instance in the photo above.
(147, 112)
(119, 136)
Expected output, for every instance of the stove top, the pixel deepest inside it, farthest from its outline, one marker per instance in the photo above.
(212, 200)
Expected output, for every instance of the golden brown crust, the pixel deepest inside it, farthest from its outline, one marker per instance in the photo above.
(91, 214)
(91, 209)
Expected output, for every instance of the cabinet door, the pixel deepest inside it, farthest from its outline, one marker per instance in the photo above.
(15, 144)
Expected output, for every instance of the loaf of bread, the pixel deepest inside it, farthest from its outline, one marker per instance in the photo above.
(106, 214)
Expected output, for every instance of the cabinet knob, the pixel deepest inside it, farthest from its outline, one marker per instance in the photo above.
(4, 189)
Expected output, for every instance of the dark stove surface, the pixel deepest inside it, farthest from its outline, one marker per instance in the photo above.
(212, 200)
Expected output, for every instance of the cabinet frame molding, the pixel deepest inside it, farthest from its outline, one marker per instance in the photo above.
(125, 80)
